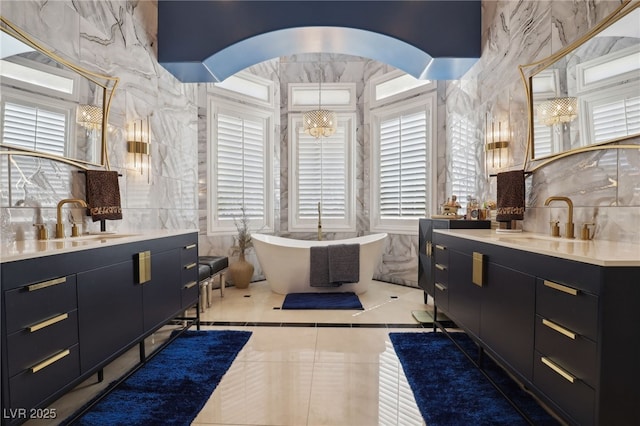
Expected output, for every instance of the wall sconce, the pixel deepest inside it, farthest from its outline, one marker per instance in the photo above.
(139, 145)
(557, 110)
(496, 145)
(89, 116)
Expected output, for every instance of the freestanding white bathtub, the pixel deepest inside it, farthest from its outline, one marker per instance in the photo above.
(285, 262)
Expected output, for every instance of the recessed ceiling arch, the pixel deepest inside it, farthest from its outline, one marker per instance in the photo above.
(207, 41)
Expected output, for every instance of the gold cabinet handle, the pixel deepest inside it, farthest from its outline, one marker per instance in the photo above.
(440, 287)
(546, 361)
(144, 267)
(47, 323)
(552, 325)
(45, 284)
(48, 362)
(190, 284)
(190, 246)
(190, 266)
(477, 276)
(562, 288)
(428, 248)
(441, 247)
(441, 267)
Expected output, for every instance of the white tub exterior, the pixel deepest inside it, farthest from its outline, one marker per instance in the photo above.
(285, 262)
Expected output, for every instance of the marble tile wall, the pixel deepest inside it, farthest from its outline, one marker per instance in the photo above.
(115, 38)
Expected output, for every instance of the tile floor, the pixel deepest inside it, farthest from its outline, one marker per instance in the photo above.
(314, 367)
(299, 367)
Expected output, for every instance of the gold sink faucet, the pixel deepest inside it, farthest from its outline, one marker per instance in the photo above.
(59, 225)
(569, 232)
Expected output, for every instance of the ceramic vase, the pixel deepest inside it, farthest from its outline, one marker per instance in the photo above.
(241, 272)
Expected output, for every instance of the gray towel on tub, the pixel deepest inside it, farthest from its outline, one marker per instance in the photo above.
(319, 267)
(344, 263)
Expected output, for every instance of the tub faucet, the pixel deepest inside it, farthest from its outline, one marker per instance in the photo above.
(319, 223)
(569, 233)
(59, 225)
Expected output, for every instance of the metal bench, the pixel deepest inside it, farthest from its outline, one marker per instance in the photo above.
(210, 267)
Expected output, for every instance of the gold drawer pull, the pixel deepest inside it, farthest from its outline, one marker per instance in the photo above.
(477, 273)
(48, 362)
(552, 325)
(144, 267)
(562, 288)
(190, 285)
(441, 267)
(441, 247)
(190, 246)
(47, 323)
(45, 284)
(190, 266)
(440, 287)
(557, 369)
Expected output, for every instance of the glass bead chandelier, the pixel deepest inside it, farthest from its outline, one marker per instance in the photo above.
(320, 122)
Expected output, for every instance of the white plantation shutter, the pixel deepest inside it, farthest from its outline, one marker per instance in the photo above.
(30, 126)
(612, 120)
(240, 166)
(463, 160)
(322, 175)
(403, 166)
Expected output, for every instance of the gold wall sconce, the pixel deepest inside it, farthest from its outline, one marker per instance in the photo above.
(557, 110)
(139, 146)
(496, 145)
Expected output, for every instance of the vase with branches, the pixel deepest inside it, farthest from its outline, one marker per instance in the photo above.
(241, 271)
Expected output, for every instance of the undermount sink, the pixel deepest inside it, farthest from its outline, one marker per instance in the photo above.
(95, 237)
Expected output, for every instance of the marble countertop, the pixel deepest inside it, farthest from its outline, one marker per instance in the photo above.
(596, 252)
(21, 250)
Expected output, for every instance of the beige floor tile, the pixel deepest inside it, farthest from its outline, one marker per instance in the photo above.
(260, 393)
(350, 345)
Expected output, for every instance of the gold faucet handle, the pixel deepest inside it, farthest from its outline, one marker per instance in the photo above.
(43, 232)
(555, 229)
(585, 233)
(74, 230)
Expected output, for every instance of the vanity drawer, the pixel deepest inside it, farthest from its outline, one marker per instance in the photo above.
(577, 399)
(189, 276)
(441, 254)
(189, 253)
(568, 307)
(39, 301)
(30, 387)
(577, 354)
(26, 348)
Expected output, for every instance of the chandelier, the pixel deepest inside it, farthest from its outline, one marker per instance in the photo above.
(558, 110)
(320, 122)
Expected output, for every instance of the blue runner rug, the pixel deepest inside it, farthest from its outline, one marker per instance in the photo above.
(173, 386)
(347, 300)
(449, 389)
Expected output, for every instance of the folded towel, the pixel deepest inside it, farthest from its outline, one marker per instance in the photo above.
(510, 204)
(319, 267)
(103, 195)
(344, 263)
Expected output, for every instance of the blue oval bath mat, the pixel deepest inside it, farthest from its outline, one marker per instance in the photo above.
(347, 300)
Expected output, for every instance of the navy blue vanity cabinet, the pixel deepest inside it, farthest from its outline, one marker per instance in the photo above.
(65, 316)
(426, 252)
(568, 330)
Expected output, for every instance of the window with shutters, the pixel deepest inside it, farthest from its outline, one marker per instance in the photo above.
(608, 89)
(321, 177)
(403, 135)
(240, 167)
(322, 171)
(463, 160)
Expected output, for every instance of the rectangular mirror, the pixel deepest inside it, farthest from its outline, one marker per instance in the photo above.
(589, 93)
(50, 107)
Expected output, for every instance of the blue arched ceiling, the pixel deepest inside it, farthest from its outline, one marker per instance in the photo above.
(209, 40)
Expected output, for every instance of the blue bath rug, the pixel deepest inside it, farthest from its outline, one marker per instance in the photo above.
(173, 386)
(450, 390)
(347, 300)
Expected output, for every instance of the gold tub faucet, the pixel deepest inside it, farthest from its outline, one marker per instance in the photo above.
(569, 231)
(59, 225)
